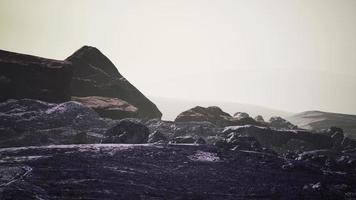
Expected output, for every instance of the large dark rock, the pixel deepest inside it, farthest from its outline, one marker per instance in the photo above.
(160, 172)
(212, 114)
(127, 132)
(95, 75)
(25, 76)
(109, 107)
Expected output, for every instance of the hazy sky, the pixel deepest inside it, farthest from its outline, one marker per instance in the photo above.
(293, 55)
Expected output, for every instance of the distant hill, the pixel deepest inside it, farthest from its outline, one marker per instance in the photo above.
(171, 107)
(317, 120)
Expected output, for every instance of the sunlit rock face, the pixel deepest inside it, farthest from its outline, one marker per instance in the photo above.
(25, 76)
(95, 75)
(108, 107)
(163, 172)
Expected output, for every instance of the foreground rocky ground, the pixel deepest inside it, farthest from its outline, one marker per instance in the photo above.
(119, 171)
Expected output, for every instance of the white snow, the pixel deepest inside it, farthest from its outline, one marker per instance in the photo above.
(204, 156)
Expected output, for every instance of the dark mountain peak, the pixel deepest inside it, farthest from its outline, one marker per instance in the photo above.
(85, 51)
(95, 75)
(88, 55)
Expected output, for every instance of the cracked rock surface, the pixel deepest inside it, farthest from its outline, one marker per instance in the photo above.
(124, 171)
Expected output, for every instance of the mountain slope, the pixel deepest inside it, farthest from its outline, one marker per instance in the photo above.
(317, 120)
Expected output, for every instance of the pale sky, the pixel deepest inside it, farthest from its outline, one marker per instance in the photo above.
(293, 55)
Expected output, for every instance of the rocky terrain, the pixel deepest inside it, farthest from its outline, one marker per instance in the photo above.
(97, 137)
(119, 171)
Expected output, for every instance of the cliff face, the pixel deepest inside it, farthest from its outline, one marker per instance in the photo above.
(95, 74)
(25, 76)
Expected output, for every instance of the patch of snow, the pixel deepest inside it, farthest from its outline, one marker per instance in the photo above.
(204, 156)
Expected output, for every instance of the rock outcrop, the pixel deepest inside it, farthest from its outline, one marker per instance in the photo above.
(109, 107)
(216, 116)
(25, 76)
(95, 75)
(212, 114)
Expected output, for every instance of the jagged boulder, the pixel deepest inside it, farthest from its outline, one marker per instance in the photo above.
(25, 76)
(95, 75)
(127, 132)
(113, 108)
(280, 123)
